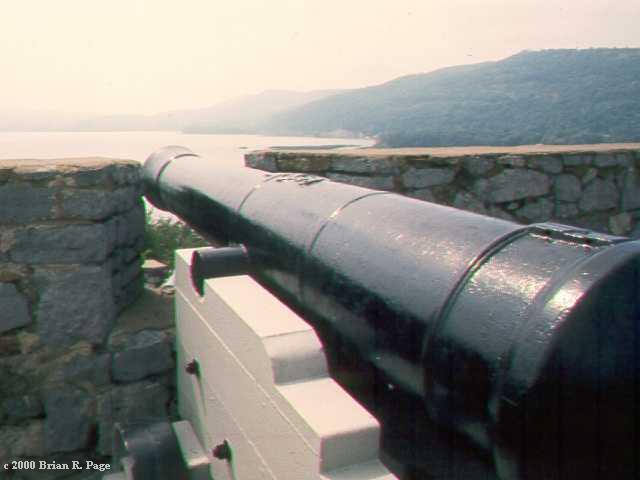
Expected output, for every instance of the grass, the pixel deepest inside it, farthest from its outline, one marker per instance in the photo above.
(163, 236)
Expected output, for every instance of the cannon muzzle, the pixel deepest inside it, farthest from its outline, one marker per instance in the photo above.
(524, 339)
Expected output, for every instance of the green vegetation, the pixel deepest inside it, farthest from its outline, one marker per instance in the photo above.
(551, 96)
(163, 236)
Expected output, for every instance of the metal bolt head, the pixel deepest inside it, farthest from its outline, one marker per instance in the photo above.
(192, 368)
(222, 451)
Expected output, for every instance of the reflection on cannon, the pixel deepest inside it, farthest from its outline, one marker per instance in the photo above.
(474, 340)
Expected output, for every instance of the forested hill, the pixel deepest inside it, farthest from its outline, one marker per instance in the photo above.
(550, 96)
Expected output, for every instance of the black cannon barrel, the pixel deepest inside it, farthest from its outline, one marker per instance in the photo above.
(525, 339)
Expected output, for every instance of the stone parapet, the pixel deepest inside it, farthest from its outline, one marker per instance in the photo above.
(593, 186)
(73, 357)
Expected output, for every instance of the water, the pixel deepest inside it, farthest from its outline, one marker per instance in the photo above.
(229, 149)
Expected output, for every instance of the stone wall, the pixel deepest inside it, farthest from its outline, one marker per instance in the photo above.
(597, 187)
(73, 358)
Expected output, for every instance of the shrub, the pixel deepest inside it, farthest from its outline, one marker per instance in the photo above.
(164, 235)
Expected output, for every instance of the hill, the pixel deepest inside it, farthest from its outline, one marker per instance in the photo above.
(241, 115)
(549, 96)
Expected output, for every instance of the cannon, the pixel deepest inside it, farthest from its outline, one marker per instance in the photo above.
(522, 341)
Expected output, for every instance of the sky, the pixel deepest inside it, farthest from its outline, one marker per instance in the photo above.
(147, 56)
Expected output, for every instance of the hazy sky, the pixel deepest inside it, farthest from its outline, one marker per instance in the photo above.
(147, 56)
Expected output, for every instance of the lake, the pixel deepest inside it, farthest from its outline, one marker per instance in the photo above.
(229, 149)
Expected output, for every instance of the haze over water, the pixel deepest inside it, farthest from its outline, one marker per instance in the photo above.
(228, 149)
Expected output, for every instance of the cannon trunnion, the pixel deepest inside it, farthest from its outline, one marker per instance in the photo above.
(525, 340)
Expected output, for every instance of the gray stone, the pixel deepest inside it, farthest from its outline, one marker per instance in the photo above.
(130, 271)
(60, 244)
(22, 407)
(517, 161)
(423, 194)
(546, 163)
(75, 304)
(127, 198)
(296, 163)
(130, 403)
(14, 310)
(468, 201)
(88, 204)
(375, 183)
(567, 188)
(22, 441)
(496, 212)
(630, 190)
(566, 210)
(538, 211)
(427, 177)
(620, 224)
(129, 293)
(261, 161)
(127, 174)
(132, 225)
(146, 353)
(605, 160)
(68, 420)
(577, 159)
(22, 203)
(79, 367)
(589, 176)
(368, 165)
(599, 195)
(514, 184)
(476, 166)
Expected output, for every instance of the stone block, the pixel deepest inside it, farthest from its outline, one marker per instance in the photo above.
(22, 441)
(423, 194)
(146, 353)
(262, 161)
(136, 402)
(577, 159)
(537, 211)
(132, 224)
(630, 199)
(427, 177)
(127, 174)
(599, 195)
(21, 407)
(14, 309)
(567, 188)
(364, 165)
(60, 244)
(88, 204)
(375, 183)
(78, 366)
(514, 184)
(610, 159)
(620, 224)
(129, 293)
(287, 163)
(566, 210)
(21, 203)
(590, 175)
(468, 201)
(68, 421)
(75, 304)
(547, 163)
(497, 212)
(517, 161)
(477, 166)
